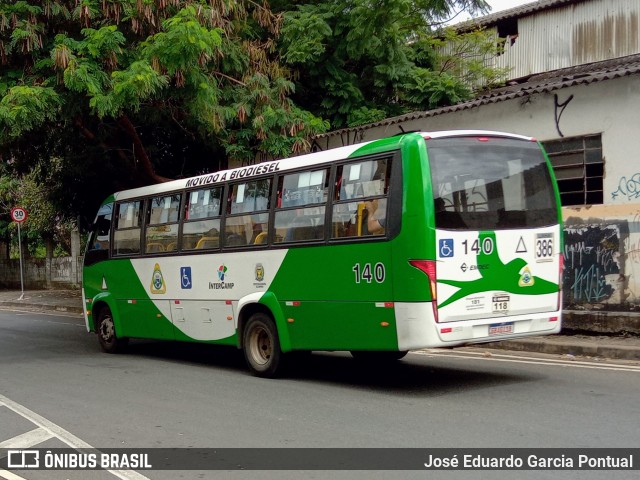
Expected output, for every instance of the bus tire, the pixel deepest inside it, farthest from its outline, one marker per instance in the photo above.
(378, 356)
(261, 346)
(107, 335)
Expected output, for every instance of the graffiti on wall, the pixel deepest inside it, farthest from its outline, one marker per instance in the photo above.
(592, 271)
(628, 188)
(558, 110)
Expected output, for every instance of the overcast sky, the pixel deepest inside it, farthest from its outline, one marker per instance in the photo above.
(497, 5)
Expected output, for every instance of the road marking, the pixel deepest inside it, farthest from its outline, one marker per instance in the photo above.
(545, 359)
(53, 313)
(62, 434)
(79, 323)
(9, 475)
(528, 360)
(28, 439)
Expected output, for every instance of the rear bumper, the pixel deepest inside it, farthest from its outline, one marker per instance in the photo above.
(416, 327)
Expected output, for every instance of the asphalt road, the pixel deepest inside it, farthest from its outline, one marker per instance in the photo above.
(55, 382)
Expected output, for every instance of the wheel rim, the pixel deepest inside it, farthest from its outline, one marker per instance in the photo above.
(107, 330)
(260, 345)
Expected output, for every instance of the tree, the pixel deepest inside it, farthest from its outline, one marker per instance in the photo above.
(145, 85)
(8, 193)
(101, 95)
(362, 60)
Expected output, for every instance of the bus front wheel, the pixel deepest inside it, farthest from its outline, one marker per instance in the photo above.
(261, 346)
(109, 341)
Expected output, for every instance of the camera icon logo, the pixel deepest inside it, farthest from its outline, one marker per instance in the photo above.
(23, 459)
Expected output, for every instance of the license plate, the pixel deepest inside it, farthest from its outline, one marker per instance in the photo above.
(501, 328)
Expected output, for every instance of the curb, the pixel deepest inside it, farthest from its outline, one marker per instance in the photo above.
(42, 307)
(567, 347)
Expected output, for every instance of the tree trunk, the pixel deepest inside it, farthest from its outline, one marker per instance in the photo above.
(49, 245)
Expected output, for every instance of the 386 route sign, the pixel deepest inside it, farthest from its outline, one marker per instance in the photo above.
(18, 214)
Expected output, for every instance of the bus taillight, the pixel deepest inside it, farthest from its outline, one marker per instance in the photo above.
(561, 269)
(429, 268)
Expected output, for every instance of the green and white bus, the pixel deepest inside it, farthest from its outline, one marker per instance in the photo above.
(421, 240)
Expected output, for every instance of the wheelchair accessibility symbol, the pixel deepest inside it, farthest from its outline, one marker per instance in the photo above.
(445, 248)
(185, 277)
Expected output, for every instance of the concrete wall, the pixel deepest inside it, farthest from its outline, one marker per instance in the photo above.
(41, 273)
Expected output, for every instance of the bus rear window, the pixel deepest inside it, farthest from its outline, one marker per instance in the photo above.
(490, 183)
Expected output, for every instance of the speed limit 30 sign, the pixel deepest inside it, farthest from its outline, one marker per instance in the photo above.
(18, 214)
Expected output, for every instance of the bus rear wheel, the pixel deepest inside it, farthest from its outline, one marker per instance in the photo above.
(378, 356)
(261, 346)
(109, 341)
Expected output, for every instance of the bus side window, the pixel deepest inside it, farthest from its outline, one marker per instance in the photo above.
(201, 228)
(360, 206)
(98, 244)
(301, 206)
(126, 238)
(161, 233)
(247, 213)
(102, 229)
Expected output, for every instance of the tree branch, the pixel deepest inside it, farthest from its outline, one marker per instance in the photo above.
(140, 153)
(89, 135)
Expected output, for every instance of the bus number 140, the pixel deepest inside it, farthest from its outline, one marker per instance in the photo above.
(368, 273)
(486, 247)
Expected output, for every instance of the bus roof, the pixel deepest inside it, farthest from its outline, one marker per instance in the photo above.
(326, 156)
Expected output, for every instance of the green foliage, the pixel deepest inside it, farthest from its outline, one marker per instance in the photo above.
(463, 56)
(22, 108)
(364, 115)
(9, 188)
(109, 69)
(433, 90)
(361, 61)
(102, 95)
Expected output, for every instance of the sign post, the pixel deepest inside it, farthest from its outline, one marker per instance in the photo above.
(19, 215)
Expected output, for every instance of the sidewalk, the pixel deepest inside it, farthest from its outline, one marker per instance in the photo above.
(571, 345)
(69, 301)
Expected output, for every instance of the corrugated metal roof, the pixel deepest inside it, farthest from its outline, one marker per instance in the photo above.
(520, 11)
(540, 83)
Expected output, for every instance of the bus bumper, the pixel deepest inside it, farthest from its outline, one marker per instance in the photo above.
(416, 327)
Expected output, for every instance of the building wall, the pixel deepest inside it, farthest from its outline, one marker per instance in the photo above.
(602, 250)
(610, 107)
(571, 35)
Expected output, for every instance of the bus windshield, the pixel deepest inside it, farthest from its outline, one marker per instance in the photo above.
(490, 183)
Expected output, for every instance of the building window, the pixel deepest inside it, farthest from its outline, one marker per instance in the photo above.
(507, 33)
(579, 168)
